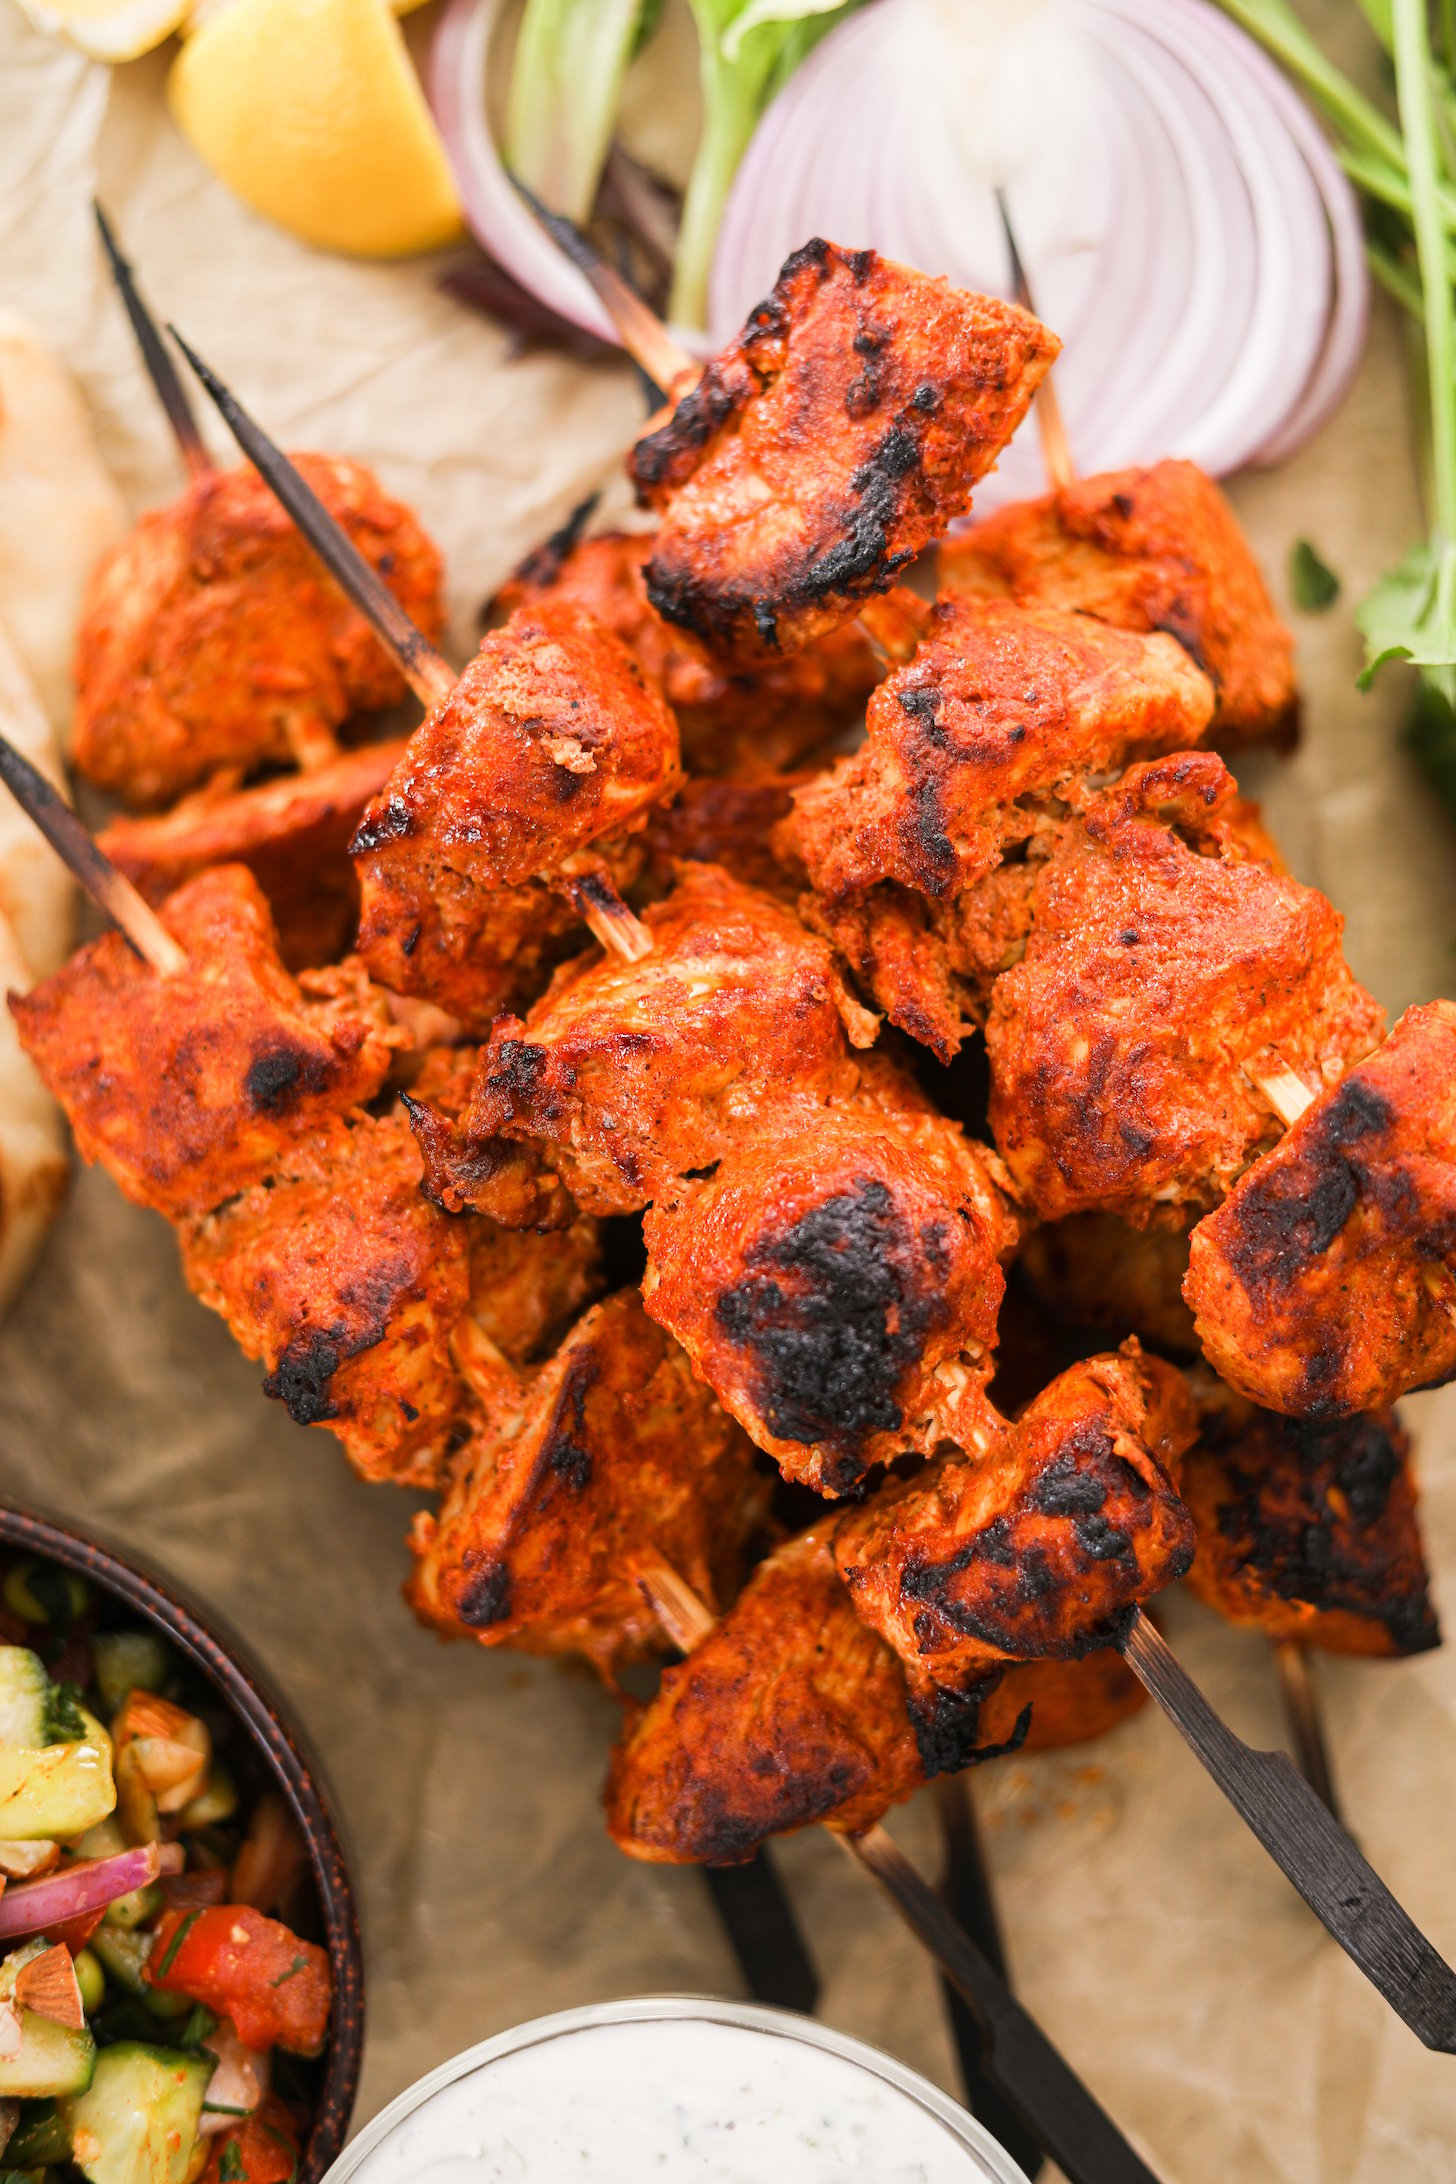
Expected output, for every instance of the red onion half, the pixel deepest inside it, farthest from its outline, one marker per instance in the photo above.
(1184, 223)
(89, 1885)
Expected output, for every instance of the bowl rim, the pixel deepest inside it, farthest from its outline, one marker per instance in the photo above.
(224, 1659)
(997, 2166)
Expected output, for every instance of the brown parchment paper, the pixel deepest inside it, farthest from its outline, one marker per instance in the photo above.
(1147, 1930)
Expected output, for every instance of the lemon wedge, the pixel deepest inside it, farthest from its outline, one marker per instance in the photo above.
(310, 111)
(109, 30)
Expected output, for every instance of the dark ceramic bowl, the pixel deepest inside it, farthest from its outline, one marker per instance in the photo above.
(281, 1760)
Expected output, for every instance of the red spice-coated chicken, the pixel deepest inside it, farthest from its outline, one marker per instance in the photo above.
(1164, 974)
(738, 722)
(1002, 709)
(190, 1088)
(1096, 1270)
(1068, 1702)
(635, 1074)
(347, 1283)
(736, 824)
(614, 1451)
(1308, 1532)
(828, 444)
(1040, 1546)
(839, 1286)
(792, 1710)
(212, 641)
(1324, 1284)
(292, 833)
(1151, 549)
(549, 750)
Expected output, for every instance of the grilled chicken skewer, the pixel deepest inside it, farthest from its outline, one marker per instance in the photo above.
(526, 780)
(1053, 2107)
(210, 644)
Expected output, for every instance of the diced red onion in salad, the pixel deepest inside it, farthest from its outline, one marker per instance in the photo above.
(33, 1907)
(1185, 226)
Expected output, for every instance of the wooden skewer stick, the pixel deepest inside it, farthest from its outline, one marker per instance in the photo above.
(641, 332)
(1308, 1845)
(1056, 451)
(161, 371)
(1287, 1094)
(605, 915)
(1049, 2098)
(1291, 1663)
(428, 673)
(42, 803)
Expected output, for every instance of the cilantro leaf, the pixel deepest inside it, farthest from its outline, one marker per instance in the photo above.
(1410, 615)
(64, 1722)
(1313, 584)
(230, 2167)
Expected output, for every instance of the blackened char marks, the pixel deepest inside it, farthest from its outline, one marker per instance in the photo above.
(280, 1074)
(543, 565)
(566, 1447)
(947, 1724)
(303, 1377)
(487, 1598)
(835, 1314)
(1286, 1215)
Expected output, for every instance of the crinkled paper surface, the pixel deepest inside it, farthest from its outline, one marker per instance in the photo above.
(1147, 1930)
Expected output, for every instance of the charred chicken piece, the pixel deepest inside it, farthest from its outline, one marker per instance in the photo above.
(347, 1284)
(1324, 1284)
(1041, 1547)
(635, 1074)
(738, 723)
(792, 1710)
(1070, 1702)
(526, 1288)
(550, 749)
(189, 1089)
(736, 824)
(292, 833)
(1001, 709)
(1153, 549)
(1309, 1532)
(616, 1451)
(1096, 1270)
(1164, 973)
(212, 640)
(839, 1288)
(826, 446)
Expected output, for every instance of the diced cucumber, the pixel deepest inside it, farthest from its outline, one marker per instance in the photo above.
(123, 1952)
(40, 1592)
(40, 2137)
(134, 1910)
(129, 1660)
(23, 1688)
(138, 2122)
(52, 2061)
(57, 1791)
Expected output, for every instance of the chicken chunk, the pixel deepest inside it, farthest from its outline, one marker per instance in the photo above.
(1001, 708)
(550, 746)
(635, 1074)
(188, 1089)
(343, 1279)
(828, 444)
(1326, 1282)
(1040, 1546)
(1068, 1702)
(838, 1289)
(790, 1711)
(213, 641)
(739, 723)
(1152, 549)
(1098, 1271)
(1164, 975)
(736, 824)
(292, 833)
(1309, 1532)
(617, 1452)
(526, 1287)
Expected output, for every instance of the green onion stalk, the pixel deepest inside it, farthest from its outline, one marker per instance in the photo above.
(1406, 175)
(747, 49)
(565, 90)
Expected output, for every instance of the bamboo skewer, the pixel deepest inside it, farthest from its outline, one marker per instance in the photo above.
(1045, 2094)
(43, 804)
(427, 671)
(1056, 451)
(161, 371)
(1291, 1664)
(641, 332)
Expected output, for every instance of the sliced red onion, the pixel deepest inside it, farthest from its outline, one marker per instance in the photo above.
(1187, 230)
(34, 1906)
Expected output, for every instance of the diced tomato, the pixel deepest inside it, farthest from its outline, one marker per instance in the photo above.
(75, 1933)
(275, 1988)
(263, 2149)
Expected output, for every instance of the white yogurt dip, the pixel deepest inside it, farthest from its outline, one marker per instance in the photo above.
(681, 2092)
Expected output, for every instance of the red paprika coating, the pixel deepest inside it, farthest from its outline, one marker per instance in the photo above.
(275, 1988)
